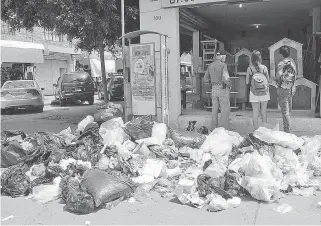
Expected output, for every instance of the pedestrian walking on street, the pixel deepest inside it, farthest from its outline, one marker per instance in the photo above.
(217, 76)
(285, 78)
(258, 78)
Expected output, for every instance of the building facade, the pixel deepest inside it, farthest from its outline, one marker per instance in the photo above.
(41, 55)
(247, 24)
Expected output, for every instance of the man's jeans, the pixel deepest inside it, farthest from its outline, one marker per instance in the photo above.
(284, 99)
(220, 98)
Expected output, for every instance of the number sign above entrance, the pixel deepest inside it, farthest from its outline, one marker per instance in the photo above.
(177, 3)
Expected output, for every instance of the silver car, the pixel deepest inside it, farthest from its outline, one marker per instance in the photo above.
(21, 94)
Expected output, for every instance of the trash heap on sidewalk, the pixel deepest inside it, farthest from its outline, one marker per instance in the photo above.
(106, 161)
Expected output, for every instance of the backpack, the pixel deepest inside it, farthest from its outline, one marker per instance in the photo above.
(288, 76)
(259, 83)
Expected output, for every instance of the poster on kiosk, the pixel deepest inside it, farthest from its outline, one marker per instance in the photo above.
(142, 74)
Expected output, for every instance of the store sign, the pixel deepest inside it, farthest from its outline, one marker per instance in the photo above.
(176, 3)
(142, 74)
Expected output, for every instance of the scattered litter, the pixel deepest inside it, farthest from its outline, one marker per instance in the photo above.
(306, 192)
(218, 203)
(87, 223)
(131, 200)
(7, 218)
(319, 204)
(105, 162)
(284, 208)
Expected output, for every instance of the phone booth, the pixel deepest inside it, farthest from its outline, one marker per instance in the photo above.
(146, 77)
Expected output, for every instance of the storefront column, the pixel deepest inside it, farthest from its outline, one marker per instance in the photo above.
(166, 21)
(316, 24)
(196, 59)
(316, 27)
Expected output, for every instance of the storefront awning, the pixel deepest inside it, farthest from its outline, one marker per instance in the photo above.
(67, 50)
(95, 67)
(21, 52)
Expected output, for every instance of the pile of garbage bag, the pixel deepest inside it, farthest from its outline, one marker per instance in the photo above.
(106, 160)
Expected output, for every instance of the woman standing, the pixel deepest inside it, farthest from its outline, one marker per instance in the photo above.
(258, 78)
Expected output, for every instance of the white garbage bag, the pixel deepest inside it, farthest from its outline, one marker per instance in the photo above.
(297, 177)
(262, 177)
(281, 138)
(218, 203)
(311, 148)
(221, 141)
(234, 202)
(46, 193)
(285, 159)
(82, 125)
(159, 131)
(239, 163)
(67, 135)
(113, 123)
(129, 145)
(155, 168)
(113, 135)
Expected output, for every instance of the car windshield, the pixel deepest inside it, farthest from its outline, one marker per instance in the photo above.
(18, 84)
(74, 77)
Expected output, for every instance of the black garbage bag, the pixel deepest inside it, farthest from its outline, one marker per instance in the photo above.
(183, 138)
(92, 131)
(41, 154)
(12, 154)
(207, 185)
(15, 182)
(5, 135)
(107, 114)
(231, 185)
(140, 128)
(86, 150)
(76, 170)
(110, 105)
(105, 187)
(51, 173)
(57, 154)
(67, 183)
(77, 201)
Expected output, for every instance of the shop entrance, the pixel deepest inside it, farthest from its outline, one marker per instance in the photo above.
(240, 29)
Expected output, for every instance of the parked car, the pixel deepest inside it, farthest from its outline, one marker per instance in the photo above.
(24, 94)
(75, 86)
(115, 89)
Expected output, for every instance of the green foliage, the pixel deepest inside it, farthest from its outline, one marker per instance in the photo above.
(87, 21)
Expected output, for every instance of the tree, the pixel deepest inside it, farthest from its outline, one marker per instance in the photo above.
(94, 24)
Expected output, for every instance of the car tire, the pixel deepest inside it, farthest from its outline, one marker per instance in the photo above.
(62, 102)
(3, 111)
(39, 109)
(10, 111)
(91, 100)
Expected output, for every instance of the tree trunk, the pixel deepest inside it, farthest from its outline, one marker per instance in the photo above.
(103, 70)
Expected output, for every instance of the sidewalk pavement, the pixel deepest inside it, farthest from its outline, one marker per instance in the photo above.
(241, 122)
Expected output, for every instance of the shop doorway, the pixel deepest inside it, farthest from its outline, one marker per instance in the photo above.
(249, 27)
